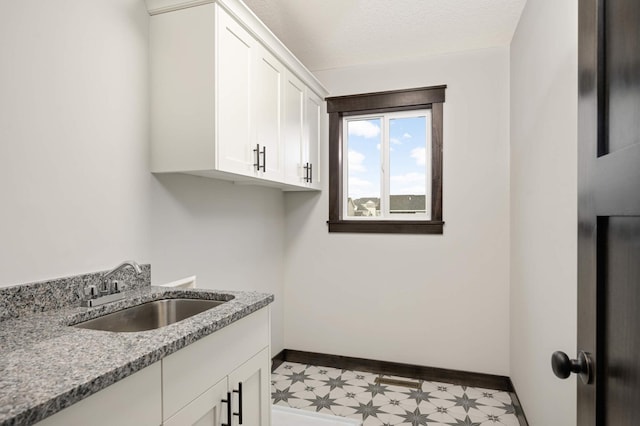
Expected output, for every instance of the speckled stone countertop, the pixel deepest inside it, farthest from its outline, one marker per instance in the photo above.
(46, 366)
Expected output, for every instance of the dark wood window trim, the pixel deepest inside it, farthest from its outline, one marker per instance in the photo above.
(372, 103)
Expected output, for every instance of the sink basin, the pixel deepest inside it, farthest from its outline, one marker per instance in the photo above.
(150, 315)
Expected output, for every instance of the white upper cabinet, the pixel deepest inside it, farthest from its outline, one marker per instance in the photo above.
(314, 115)
(303, 115)
(228, 100)
(182, 72)
(234, 93)
(268, 82)
(294, 100)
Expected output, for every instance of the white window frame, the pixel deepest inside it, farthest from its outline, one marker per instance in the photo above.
(385, 178)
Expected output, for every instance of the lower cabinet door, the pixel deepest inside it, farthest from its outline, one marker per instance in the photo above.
(254, 400)
(209, 409)
(133, 401)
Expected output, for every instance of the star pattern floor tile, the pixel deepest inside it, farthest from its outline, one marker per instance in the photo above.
(358, 395)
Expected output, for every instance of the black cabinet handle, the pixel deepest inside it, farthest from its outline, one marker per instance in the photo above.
(310, 173)
(228, 402)
(239, 413)
(306, 168)
(257, 163)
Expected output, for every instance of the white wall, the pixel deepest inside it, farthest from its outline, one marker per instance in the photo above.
(438, 301)
(73, 137)
(544, 207)
(230, 236)
(77, 195)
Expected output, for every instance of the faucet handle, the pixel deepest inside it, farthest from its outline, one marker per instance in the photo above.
(91, 291)
(118, 287)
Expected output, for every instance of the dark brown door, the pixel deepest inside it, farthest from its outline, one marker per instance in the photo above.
(609, 215)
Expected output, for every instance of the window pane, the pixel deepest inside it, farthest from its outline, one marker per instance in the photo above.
(363, 182)
(409, 158)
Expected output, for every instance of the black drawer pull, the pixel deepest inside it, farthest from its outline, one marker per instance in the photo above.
(306, 168)
(239, 413)
(228, 402)
(257, 163)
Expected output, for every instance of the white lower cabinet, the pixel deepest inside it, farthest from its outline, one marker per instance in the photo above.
(247, 388)
(132, 401)
(233, 363)
(254, 378)
(191, 386)
(206, 410)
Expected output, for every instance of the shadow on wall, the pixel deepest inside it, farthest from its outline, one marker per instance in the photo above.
(204, 197)
(231, 236)
(303, 203)
(216, 230)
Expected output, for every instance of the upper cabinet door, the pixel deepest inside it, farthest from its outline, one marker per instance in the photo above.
(293, 129)
(312, 135)
(228, 101)
(183, 90)
(234, 87)
(268, 83)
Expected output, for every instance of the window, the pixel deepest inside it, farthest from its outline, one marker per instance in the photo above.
(387, 175)
(385, 162)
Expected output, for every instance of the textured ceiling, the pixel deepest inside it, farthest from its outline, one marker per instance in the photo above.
(327, 34)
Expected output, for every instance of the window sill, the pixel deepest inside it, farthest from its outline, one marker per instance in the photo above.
(387, 226)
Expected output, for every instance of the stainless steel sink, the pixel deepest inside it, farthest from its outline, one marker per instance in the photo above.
(150, 315)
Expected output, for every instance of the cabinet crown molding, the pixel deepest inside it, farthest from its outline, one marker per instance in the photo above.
(255, 26)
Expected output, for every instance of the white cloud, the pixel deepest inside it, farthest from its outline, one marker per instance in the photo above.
(358, 182)
(407, 136)
(409, 190)
(408, 184)
(408, 178)
(395, 141)
(420, 155)
(359, 188)
(355, 161)
(363, 128)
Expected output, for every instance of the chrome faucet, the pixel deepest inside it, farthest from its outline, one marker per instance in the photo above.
(105, 285)
(105, 292)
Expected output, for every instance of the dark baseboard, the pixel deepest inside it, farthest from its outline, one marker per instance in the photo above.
(455, 377)
(277, 360)
(522, 419)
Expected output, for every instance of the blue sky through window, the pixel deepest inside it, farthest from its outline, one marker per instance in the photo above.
(407, 157)
(365, 138)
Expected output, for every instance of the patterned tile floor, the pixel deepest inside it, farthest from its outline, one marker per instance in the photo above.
(356, 395)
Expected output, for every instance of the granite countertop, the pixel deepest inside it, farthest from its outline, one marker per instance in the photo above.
(46, 366)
